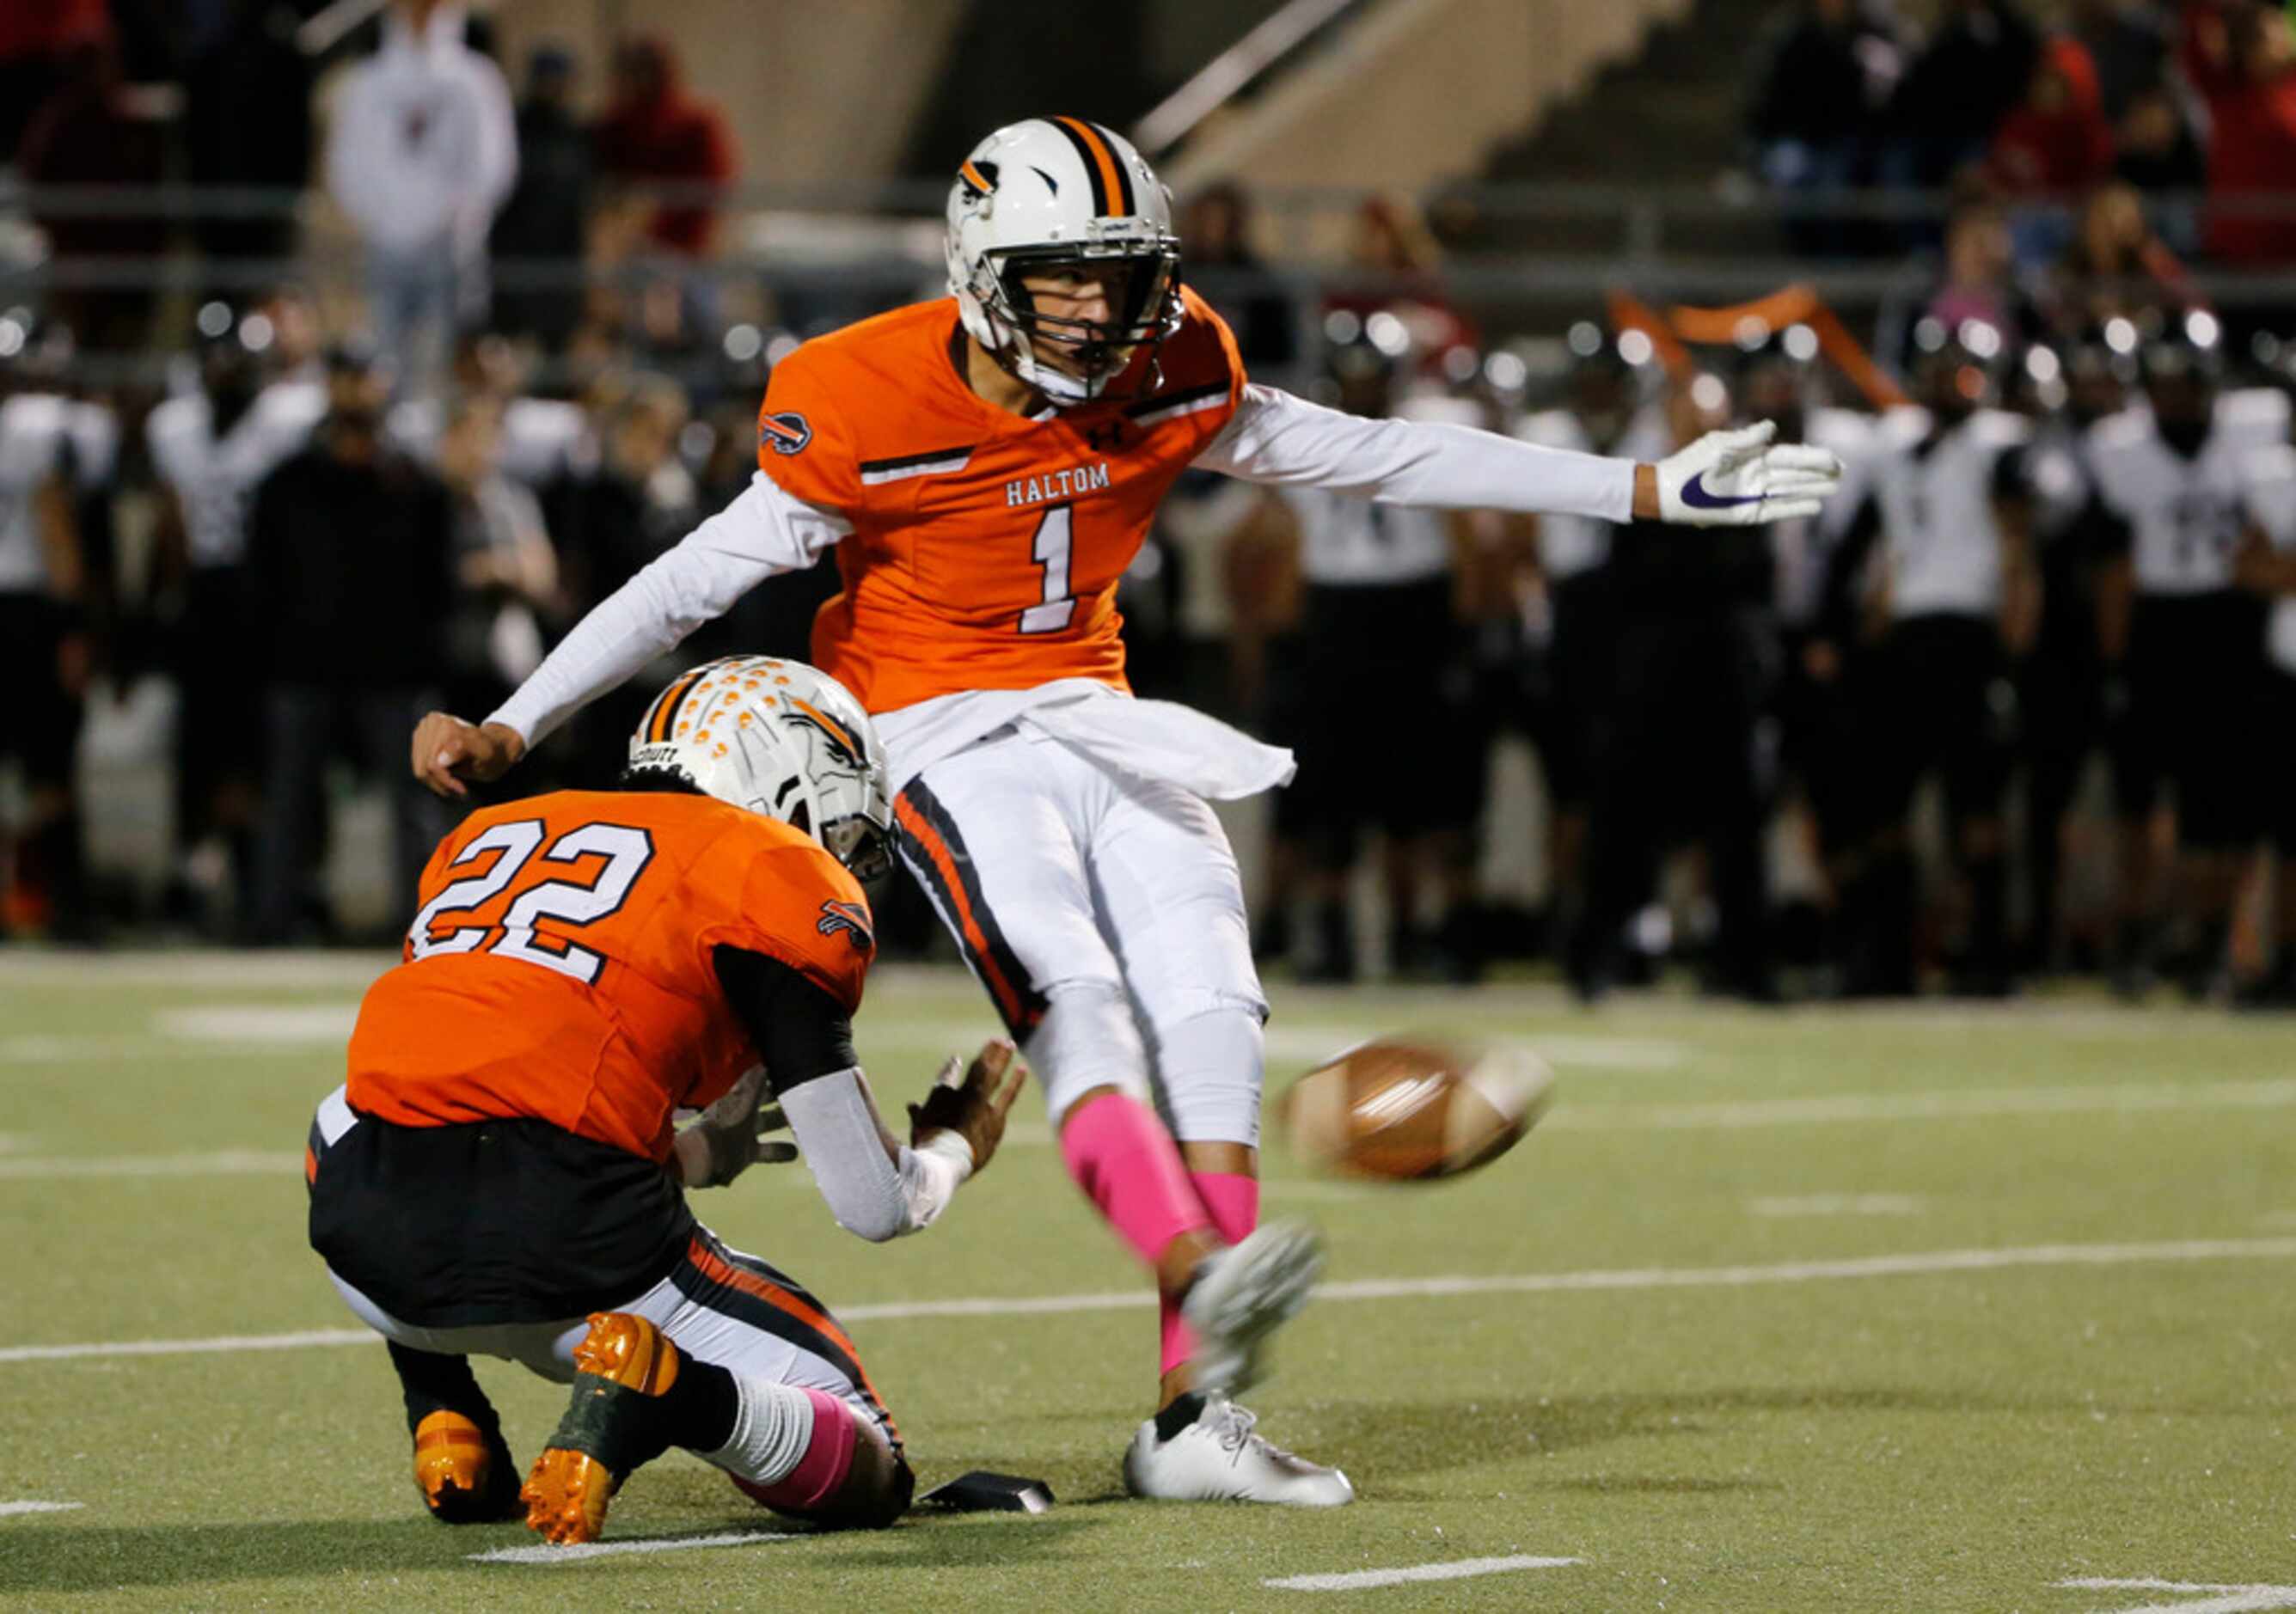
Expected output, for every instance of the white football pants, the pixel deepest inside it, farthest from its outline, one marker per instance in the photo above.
(1104, 916)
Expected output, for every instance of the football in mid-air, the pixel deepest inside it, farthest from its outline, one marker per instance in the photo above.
(1412, 1111)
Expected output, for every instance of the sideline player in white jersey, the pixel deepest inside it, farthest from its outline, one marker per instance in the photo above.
(1616, 405)
(1940, 506)
(210, 449)
(52, 447)
(2183, 639)
(984, 467)
(2060, 685)
(1390, 578)
(2267, 565)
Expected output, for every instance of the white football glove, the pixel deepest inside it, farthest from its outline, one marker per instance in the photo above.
(730, 1135)
(1736, 478)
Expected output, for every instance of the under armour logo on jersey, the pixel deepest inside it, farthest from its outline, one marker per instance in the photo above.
(852, 918)
(1106, 437)
(786, 434)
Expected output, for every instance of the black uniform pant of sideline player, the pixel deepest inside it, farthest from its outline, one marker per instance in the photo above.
(1675, 759)
(2196, 671)
(2280, 703)
(305, 725)
(1378, 700)
(39, 732)
(2061, 721)
(1936, 700)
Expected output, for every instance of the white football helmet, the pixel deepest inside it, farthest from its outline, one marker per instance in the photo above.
(1054, 191)
(779, 738)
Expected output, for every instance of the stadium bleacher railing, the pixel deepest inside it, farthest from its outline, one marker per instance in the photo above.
(1552, 243)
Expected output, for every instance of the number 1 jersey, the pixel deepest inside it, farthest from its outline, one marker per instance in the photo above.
(986, 546)
(562, 966)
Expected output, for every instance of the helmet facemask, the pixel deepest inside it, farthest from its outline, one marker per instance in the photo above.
(1073, 361)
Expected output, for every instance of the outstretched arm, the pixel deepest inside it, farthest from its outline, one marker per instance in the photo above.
(761, 534)
(876, 1187)
(1725, 479)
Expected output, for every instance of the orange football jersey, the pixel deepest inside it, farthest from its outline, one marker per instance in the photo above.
(561, 964)
(986, 546)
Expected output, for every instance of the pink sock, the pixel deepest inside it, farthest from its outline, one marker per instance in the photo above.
(823, 1467)
(1232, 1199)
(1128, 1165)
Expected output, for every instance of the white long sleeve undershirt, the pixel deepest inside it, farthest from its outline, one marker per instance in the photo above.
(871, 1195)
(1273, 438)
(763, 532)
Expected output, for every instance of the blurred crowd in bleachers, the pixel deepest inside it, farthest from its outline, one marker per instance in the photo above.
(2130, 109)
(317, 522)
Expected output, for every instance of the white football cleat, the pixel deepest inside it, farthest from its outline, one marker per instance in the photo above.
(1220, 1457)
(1245, 1293)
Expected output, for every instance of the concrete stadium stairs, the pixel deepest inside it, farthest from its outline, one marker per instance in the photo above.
(1671, 116)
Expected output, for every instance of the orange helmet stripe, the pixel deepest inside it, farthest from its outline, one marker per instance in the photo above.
(1111, 186)
(974, 177)
(657, 722)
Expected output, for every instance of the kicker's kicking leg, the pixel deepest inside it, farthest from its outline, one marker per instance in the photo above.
(1169, 892)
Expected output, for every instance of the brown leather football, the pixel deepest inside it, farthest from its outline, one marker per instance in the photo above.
(1413, 1110)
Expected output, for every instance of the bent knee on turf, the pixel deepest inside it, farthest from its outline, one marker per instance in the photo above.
(875, 1491)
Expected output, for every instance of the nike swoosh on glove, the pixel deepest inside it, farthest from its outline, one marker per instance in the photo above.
(1737, 478)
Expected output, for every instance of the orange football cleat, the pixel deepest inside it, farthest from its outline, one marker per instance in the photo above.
(458, 1473)
(611, 1427)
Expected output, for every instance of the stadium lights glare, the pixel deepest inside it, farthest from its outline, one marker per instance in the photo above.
(1801, 344)
(1342, 326)
(1586, 338)
(1636, 348)
(1387, 333)
(744, 343)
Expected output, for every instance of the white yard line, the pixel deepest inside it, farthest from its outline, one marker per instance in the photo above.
(1912, 1265)
(221, 1162)
(2106, 1098)
(1320, 1040)
(2114, 1098)
(2214, 1599)
(322, 1025)
(1837, 1205)
(1363, 1580)
(580, 1551)
(219, 1344)
(9, 1510)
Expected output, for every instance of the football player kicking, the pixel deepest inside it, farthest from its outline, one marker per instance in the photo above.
(984, 467)
(501, 1164)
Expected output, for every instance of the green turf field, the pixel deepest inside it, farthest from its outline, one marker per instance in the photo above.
(1922, 1310)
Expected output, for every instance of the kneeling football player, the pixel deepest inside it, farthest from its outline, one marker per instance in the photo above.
(501, 1176)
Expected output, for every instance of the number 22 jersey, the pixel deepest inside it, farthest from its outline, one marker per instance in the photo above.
(562, 966)
(986, 546)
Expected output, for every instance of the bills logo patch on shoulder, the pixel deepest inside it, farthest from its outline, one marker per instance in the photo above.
(783, 433)
(851, 918)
